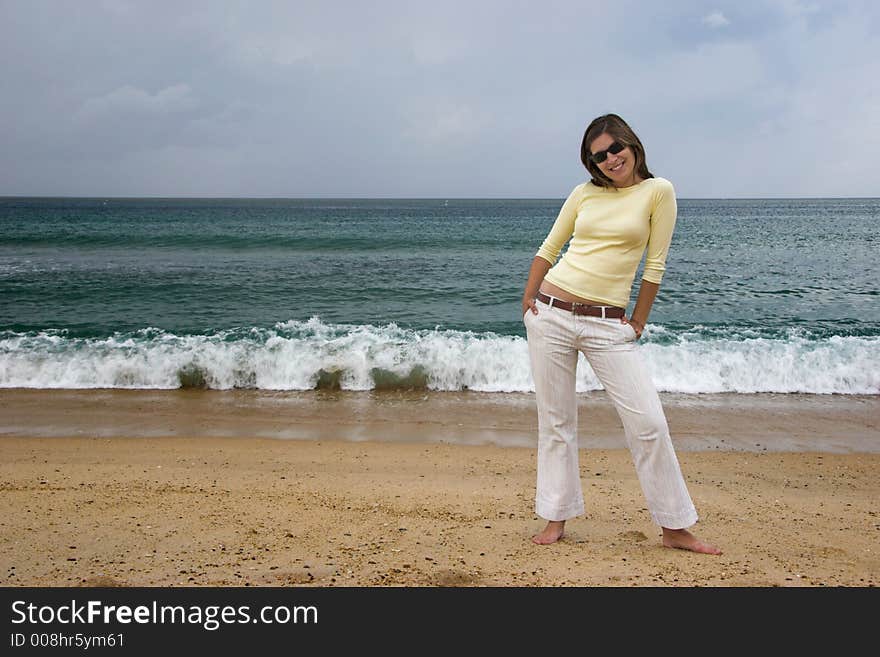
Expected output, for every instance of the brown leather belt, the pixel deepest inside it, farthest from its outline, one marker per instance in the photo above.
(612, 312)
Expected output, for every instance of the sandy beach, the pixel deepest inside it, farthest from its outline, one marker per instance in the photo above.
(208, 488)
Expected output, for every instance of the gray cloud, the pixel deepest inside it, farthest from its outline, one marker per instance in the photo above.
(433, 99)
(716, 19)
(132, 102)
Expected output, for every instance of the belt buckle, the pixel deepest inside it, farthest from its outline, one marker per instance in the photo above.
(575, 304)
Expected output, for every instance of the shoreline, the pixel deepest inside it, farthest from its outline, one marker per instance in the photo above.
(763, 422)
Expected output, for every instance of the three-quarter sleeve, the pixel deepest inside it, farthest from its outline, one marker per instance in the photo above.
(662, 225)
(563, 227)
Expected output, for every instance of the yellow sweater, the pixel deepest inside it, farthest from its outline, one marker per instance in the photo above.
(610, 230)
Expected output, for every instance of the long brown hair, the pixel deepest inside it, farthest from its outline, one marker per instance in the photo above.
(620, 131)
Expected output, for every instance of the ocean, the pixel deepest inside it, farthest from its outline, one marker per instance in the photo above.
(760, 296)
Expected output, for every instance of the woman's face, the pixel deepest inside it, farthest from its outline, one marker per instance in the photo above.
(620, 167)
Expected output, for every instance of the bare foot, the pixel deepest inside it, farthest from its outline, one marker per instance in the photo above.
(684, 540)
(554, 530)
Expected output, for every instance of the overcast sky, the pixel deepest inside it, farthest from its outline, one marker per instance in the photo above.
(738, 98)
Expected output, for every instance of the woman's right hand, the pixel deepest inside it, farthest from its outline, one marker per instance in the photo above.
(529, 305)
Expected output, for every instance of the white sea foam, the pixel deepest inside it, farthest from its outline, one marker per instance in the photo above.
(305, 355)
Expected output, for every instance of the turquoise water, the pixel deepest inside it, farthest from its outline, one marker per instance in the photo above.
(759, 295)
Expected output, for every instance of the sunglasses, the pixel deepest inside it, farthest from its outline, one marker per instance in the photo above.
(600, 156)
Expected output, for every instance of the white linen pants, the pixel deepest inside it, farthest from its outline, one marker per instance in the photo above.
(555, 337)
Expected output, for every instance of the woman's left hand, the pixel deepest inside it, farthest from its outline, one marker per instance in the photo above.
(638, 327)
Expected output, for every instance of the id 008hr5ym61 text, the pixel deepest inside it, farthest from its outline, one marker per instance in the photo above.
(61, 640)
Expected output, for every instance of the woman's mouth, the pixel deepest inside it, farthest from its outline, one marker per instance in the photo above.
(616, 167)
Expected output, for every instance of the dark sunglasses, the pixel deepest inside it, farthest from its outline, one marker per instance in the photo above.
(600, 156)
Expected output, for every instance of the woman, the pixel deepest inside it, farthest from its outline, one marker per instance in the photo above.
(579, 305)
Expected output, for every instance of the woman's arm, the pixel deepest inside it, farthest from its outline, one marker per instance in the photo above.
(663, 218)
(537, 272)
(644, 302)
(549, 250)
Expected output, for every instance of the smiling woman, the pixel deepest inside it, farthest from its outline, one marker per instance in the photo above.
(579, 306)
(613, 153)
